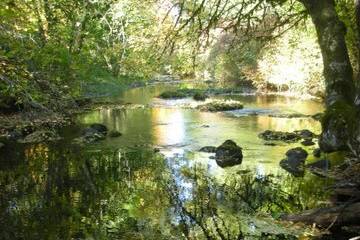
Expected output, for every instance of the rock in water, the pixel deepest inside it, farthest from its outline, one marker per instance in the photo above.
(294, 161)
(99, 127)
(306, 134)
(2, 145)
(114, 134)
(219, 106)
(41, 136)
(308, 142)
(317, 152)
(93, 133)
(208, 149)
(269, 135)
(200, 96)
(321, 164)
(228, 154)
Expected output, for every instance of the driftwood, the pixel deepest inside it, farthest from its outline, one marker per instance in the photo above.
(346, 214)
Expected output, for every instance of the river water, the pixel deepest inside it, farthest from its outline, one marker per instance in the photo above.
(120, 188)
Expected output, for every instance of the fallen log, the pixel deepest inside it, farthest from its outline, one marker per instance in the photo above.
(347, 214)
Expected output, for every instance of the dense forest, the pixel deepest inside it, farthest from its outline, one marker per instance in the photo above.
(179, 119)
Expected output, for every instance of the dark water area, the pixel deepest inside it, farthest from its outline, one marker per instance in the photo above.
(120, 188)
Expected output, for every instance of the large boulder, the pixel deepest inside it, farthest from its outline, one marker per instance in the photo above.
(41, 136)
(294, 161)
(228, 154)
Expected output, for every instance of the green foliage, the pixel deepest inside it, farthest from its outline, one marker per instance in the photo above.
(75, 44)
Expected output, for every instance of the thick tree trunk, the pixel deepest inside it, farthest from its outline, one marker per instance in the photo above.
(338, 123)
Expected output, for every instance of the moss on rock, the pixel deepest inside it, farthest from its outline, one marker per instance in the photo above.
(218, 106)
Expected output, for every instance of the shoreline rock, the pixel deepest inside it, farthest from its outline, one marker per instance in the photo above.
(294, 161)
(41, 136)
(95, 132)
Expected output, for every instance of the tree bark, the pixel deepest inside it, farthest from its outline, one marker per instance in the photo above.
(340, 87)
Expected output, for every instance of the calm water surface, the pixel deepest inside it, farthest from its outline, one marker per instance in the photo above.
(121, 189)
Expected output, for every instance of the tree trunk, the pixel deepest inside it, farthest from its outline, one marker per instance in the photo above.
(338, 123)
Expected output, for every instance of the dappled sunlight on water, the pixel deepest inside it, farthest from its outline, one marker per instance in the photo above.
(171, 130)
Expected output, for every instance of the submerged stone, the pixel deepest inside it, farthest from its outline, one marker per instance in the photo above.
(294, 161)
(270, 144)
(95, 132)
(279, 136)
(208, 149)
(101, 128)
(305, 134)
(200, 96)
(290, 115)
(228, 154)
(308, 142)
(172, 95)
(114, 134)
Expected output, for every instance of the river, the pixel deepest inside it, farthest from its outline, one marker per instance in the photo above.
(120, 188)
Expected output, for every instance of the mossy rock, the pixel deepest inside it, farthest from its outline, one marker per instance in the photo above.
(200, 96)
(115, 134)
(172, 95)
(228, 154)
(269, 135)
(294, 161)
(179, 93)
(218, 106)
(339, 123)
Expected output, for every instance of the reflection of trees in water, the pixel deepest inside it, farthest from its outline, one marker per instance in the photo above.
(71, 193)
(65, 193)
(229, 210)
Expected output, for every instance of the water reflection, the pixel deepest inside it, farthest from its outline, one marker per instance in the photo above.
(120, 189)
(171, 127)
(62, 192)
